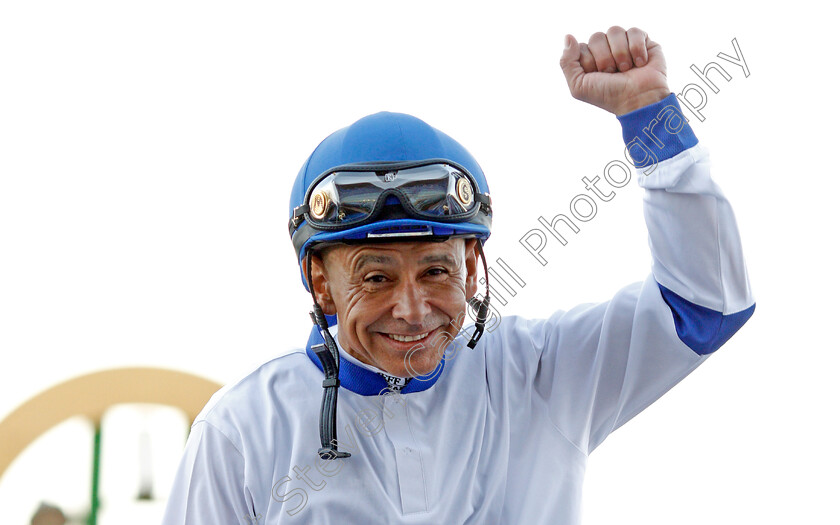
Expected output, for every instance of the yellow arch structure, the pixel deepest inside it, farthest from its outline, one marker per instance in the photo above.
(92, 394)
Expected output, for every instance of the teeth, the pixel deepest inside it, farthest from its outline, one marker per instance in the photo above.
(407, 338)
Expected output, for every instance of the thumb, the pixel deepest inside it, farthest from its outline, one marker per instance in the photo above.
(655, 53)
(570, 62)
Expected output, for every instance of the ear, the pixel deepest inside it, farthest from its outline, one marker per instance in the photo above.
(471, 259)
(321, 284)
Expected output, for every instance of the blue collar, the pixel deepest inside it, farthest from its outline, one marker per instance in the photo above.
(367, 382)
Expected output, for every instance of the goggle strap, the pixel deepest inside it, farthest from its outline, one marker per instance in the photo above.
(300, 210)
(484, 202)
(297, 217)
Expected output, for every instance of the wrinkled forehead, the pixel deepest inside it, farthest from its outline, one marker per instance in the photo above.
(354, 254)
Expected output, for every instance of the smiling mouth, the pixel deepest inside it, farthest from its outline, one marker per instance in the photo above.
(408, 338)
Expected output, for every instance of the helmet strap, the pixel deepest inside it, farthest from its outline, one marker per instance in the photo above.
(482, 306)
(328, 354)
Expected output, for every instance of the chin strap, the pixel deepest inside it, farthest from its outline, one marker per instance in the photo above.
(328, 354)
(481, 307)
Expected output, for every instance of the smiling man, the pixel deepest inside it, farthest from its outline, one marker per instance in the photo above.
(396, 303)
(399, 410)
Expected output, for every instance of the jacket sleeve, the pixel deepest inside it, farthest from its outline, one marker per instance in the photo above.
(697, 259)
(209, 486)
(596, 366)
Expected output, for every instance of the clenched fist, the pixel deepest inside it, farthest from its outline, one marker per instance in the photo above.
(618, 71)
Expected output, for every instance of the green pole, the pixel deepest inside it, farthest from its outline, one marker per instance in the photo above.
(94, 491)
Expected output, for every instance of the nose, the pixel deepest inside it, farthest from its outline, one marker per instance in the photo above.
(411, 303)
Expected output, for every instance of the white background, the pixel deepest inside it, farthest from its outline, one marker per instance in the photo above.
(147, 150)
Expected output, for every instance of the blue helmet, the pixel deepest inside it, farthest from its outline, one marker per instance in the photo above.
(385, 139)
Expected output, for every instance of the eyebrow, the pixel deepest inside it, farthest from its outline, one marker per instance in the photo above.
(366, 259)
(441, 258)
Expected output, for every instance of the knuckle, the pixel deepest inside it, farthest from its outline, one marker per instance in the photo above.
(621, 52)
(597, 37)
(615, 30)
(605, 60)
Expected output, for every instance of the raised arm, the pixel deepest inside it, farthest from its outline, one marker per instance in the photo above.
(597, 366)
(697, 258)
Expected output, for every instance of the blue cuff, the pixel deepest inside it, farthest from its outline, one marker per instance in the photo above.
(702, 329)
(656, 132)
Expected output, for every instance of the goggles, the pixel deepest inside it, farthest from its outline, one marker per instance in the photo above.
(355, 194)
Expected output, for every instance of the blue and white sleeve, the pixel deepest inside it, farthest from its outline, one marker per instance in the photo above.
(598, 365)
(697, 258)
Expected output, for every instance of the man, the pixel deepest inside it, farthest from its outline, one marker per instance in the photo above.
(426, 418)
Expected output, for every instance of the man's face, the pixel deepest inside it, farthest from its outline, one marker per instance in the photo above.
(397, 299)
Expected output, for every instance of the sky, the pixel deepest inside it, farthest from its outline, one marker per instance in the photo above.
(147, 151)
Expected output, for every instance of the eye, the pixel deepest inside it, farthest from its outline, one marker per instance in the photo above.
(437, 271)
(377, 278)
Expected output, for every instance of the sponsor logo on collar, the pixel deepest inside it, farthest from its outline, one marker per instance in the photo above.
(395, 383)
